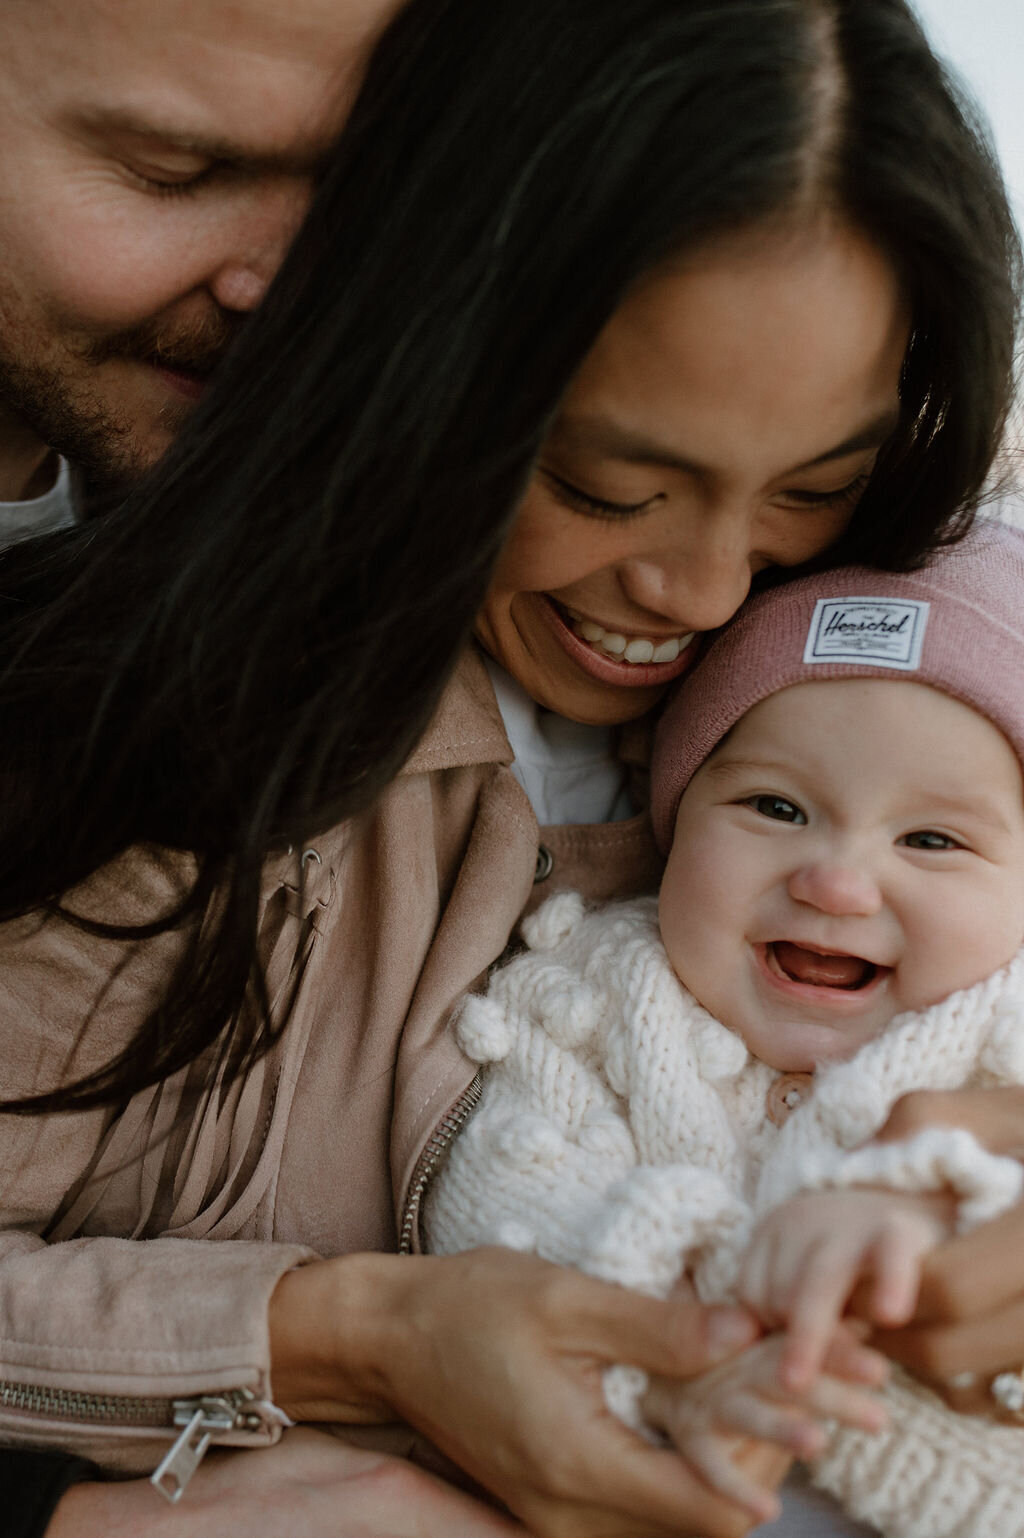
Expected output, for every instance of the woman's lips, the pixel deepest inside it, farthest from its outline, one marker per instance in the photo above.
(607, 669)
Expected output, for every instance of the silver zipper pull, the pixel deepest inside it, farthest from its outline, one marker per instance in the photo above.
(201, 1419)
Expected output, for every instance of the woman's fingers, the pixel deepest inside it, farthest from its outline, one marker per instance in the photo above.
(994, 1116)
(985, 1345)
(979, 1273)
(675, 1336)
(499, 1359)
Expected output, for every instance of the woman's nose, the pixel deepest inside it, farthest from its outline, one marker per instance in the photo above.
(833, 888)
(699, 590)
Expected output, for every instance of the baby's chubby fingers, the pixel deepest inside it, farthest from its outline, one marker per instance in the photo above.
(849, 1358)
(848, 1403)
(712, 1456)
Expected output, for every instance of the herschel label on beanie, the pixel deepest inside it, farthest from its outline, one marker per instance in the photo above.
(883, 632)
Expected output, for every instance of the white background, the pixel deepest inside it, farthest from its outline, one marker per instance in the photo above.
(984, 40)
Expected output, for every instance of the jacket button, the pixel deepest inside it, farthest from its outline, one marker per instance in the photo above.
(789, 1091)
(545, 864)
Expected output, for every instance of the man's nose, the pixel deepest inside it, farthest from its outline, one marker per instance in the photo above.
(258, 242)
(839, 889)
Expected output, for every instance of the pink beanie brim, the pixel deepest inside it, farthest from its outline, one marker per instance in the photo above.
(956, 624)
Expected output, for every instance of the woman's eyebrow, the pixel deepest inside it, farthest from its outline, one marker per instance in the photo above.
(612, 440)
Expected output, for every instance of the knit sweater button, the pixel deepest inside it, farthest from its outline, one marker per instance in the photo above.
(788, 1091)
(545, 864)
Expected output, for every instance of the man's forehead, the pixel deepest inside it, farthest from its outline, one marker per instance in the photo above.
(251, 73)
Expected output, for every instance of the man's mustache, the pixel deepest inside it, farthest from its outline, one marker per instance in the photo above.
(194, 347)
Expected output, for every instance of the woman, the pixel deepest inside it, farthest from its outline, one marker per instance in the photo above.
(681, 296)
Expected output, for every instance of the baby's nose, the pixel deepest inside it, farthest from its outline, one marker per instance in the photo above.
(836, 889)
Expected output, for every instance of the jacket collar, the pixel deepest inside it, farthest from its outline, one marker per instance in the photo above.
(467, 727)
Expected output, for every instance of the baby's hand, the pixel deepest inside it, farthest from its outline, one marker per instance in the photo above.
(808, 1256)
(711, 1418)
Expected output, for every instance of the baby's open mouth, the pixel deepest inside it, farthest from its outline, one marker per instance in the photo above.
(820, 969)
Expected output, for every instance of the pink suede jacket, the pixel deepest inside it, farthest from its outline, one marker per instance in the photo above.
(139, 1249)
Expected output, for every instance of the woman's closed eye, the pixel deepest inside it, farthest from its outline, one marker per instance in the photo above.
(584, 502)
(842, 497)
(778, 808)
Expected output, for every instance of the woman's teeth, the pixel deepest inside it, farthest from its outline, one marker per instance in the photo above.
(639, 650)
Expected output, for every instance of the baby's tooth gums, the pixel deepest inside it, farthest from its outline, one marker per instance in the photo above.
(638, 649)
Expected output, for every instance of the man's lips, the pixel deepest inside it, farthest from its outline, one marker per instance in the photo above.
(191, 383)
(607, 669)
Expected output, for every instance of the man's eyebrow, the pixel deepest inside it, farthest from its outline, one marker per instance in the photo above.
(612, 440)
(104, 122)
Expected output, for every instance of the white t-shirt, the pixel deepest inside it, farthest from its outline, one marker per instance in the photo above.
(568, 771)
(41, 515)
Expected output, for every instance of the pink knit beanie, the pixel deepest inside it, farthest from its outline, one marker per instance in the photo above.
(957, 624)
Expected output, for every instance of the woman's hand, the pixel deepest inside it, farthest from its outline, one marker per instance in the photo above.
(498, 1358)
(309, 1486)
(970, 1312)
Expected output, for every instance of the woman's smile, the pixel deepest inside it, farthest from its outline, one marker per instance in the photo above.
(617, 656)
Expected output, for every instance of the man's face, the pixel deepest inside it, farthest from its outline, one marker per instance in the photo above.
(158, 157)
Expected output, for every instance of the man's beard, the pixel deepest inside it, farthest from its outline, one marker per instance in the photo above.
(61, 408)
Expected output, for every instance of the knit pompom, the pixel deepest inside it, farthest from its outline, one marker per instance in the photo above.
(567, 1008)
(529, 1139)
(721, 1054)
(484, 1031)
(554, 922)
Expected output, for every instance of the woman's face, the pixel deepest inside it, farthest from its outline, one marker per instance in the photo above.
(726, 420)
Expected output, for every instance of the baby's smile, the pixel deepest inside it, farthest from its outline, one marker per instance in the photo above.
(803, 964)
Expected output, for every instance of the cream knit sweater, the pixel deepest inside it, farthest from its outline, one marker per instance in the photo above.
(623, 1130)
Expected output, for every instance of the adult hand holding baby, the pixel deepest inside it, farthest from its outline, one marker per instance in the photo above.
(498, 1358)
(968, 1324)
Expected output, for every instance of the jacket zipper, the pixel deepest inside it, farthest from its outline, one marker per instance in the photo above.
(200, 1419)
(430, 1160)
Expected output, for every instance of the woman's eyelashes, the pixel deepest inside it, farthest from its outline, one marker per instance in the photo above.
(581, 501)
(591, 506)
(843, 497)
(777, 808)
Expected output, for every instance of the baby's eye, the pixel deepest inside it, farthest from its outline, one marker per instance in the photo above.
(776, 807)
(929, 839)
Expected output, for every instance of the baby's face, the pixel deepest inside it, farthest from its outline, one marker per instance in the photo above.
(853, 849)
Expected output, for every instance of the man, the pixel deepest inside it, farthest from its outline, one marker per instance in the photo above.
(158, 157)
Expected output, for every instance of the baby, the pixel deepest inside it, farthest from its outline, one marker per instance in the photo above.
(684, 1092)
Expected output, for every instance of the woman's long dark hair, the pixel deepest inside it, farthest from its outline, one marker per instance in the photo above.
(247, 651)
